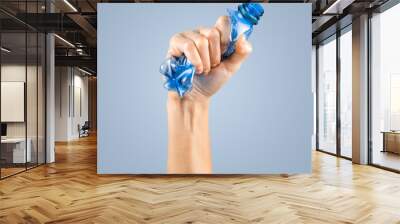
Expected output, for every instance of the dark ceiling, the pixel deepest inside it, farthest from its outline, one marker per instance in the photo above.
(76, 22)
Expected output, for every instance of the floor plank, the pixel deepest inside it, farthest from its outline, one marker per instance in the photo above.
(70, 191)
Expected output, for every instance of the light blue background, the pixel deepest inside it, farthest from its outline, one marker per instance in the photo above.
(261, 120)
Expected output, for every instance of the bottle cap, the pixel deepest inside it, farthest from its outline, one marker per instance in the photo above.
(251, 11)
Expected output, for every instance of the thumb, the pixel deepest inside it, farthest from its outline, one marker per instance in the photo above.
(242, 49)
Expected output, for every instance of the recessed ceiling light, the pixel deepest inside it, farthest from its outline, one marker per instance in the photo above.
(84, 71)
(70, 5)
(5, 50)
(338, 6)
(65, 41)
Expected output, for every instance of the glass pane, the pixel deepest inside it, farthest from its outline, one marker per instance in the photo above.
(32, 95)
(13, 88)
(314, 91)
(346, 93)
(41, 98)
(327, 96)
(31, 88)
(386, 89)
(395, 102)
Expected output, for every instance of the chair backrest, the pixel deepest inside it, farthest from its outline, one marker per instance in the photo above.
(86, 124)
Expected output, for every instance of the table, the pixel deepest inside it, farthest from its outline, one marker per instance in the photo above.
(13, 150)
(391, 141)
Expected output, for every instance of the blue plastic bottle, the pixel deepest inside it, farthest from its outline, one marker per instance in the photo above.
(179, 72)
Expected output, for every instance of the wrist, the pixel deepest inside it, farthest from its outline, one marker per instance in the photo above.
(191, 115)
(188, 98)
(187, 102)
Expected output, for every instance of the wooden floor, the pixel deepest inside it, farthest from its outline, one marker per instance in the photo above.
(70, 191)
(5, 172)
(387, 159)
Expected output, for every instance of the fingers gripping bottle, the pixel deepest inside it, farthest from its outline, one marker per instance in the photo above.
(179, 71)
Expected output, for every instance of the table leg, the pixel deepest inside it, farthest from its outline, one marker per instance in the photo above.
(384, 142)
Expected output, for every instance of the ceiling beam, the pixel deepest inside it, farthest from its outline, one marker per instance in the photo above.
(84, 24)
(82, 61)
(338, 6)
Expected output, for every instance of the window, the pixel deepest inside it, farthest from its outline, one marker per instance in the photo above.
(346, 92)
(327, 95)
(22, 77)
(385, 89)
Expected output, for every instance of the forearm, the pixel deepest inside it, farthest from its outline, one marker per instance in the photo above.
(188, 136)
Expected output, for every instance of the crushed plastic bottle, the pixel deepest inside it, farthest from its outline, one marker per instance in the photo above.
(179, 71)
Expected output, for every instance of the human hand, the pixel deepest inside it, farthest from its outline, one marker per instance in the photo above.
(203, 48)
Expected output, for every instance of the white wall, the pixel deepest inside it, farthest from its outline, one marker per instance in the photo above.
(16, 72)
(62, 82)
(79, 117)
(70, 83)
(34, 126)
